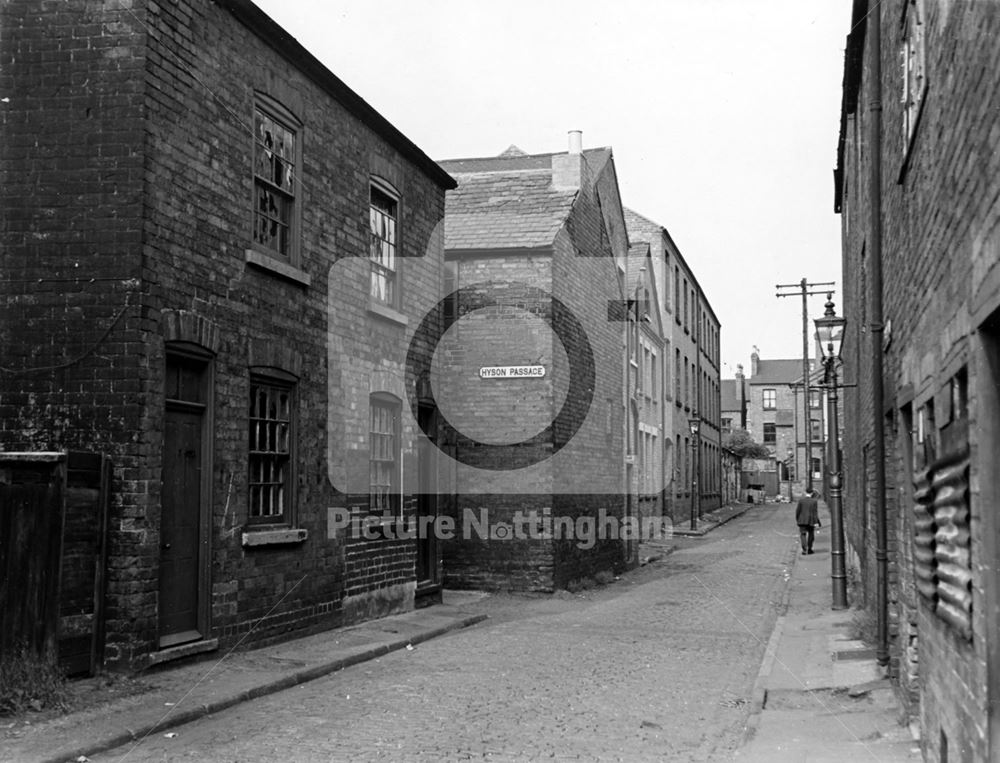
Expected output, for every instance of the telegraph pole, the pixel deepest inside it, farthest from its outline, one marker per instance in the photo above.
(804, 287)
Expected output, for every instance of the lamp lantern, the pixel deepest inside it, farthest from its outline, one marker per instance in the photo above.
(830, 331)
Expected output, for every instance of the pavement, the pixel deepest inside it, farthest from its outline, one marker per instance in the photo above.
(820, 696)
(189, 691)
(654, 550)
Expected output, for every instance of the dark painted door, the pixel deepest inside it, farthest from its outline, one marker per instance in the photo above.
(427, 500)
(179, 526)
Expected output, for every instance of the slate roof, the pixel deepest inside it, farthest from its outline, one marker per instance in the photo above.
(504, 210)
(637, 254)
(781, 371)
(639, 228)
(507, 201)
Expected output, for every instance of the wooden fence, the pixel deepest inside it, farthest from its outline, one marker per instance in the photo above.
(53, 550)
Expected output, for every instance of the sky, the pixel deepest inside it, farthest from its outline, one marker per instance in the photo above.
(723, 116)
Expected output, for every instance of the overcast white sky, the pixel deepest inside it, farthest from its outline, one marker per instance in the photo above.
(723, 117)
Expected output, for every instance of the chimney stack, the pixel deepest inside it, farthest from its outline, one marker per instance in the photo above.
(568, 168)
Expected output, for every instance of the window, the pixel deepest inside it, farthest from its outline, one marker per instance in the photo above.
(450, 304)
(958, 389)
(817, 430)
(271, 438)
(276, 158)
(654, 389)
(815, 398)
(926, 435)
(817, 468)
(770, 434)
(677, 376)
(677, 294)
(383, 454)
(770, 402)
(685, 304)
(382, 217)
(912, 59)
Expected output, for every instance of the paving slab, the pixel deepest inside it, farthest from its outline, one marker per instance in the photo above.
(183, 693)
(820, 695)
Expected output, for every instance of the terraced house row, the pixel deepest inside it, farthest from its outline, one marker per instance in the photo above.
(917, 194)
(252, 336)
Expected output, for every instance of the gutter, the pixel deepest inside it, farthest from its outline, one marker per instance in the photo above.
(877, 330)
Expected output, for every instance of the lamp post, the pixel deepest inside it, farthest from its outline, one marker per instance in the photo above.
(830, 333)
(695, 425)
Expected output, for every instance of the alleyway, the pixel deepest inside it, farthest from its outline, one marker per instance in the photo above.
(657, 666)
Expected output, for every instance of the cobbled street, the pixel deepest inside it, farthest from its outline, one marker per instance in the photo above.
(658, 666)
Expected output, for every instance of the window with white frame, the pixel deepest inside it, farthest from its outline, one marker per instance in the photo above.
(383, 450)
(383, 218)
(770, 399)
(277, 156)
(270, 453)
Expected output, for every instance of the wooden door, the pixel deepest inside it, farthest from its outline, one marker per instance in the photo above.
(180, 525)
(427, 501)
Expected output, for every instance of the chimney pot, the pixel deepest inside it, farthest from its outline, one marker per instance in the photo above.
(576, 141)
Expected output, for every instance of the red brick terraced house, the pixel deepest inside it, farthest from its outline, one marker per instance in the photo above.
(213, 256)
(918, 192)
(693, 463)
(536, 249)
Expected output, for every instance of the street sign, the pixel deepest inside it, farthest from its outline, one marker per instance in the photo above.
(512, 372)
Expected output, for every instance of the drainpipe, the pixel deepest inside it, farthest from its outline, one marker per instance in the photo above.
(877, 331)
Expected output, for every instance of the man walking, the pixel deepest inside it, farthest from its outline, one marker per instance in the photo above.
(807, 518)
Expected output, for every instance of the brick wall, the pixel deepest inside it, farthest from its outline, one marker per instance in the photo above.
(73, 327)
(939, 217)
(146, 181)
(584, 474)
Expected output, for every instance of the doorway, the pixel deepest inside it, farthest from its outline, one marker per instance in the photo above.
(185, 490)
(428, 572)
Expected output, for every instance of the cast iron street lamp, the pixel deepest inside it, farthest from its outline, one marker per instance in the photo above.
(695, 424)
(830, 333)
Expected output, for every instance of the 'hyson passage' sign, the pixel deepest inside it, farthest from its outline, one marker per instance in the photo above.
(512, 372)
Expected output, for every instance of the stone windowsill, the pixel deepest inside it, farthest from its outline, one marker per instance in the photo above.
(274, 537)
(278, 267)
(384, 311)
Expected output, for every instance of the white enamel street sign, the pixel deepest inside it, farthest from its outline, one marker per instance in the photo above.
(512, 372)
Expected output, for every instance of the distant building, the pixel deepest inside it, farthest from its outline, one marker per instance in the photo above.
(692, 334)
(647, 353)
(776, 418)
(733, 403)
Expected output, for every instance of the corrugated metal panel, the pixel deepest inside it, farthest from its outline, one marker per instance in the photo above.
(924, 560)
(950, 484)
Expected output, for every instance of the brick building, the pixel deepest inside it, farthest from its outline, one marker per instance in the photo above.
(536, 252)
(212, 249)
(733, 403)
(691, 369)
(647, 352)
(917, 190)
(776, 415)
